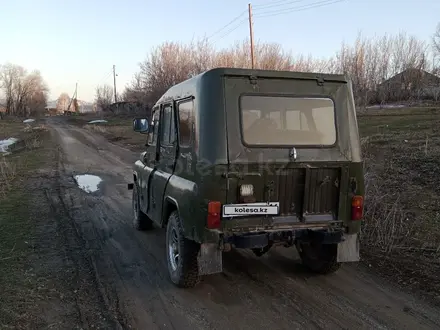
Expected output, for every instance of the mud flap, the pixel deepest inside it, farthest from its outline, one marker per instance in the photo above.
(348, 250)
(210, 259)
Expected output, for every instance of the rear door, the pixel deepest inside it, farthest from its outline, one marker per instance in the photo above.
(284, 139)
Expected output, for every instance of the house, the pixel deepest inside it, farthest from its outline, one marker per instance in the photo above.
(51, 108)
(410, 83)
(84, 106)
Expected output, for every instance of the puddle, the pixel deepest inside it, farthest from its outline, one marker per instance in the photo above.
(28, 121)
(4, 144)
(88, 183)
(97, 121)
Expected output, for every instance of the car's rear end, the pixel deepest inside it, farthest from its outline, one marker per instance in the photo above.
(294, 165)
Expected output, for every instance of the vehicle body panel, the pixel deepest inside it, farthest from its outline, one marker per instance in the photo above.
(314, 189)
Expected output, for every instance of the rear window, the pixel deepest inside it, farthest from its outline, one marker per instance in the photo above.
(283, 120)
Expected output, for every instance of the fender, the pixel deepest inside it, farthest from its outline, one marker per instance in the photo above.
(130, 186)
(165, 207)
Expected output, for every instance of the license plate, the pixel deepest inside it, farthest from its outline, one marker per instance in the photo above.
(236, 210)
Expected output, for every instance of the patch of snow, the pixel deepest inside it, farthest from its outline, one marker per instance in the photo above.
(88, 183)
(97, 121)
(28, 121)
(4, 144)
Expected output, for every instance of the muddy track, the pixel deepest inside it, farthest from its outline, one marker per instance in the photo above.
(129, 273)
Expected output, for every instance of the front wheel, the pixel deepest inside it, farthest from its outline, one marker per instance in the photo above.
(181, 254)
(319, 258)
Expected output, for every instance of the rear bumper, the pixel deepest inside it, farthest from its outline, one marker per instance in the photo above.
(260, 239)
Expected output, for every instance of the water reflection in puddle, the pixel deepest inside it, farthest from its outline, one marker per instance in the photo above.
(87, 182)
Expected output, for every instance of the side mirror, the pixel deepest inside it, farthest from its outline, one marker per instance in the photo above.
(140, 125)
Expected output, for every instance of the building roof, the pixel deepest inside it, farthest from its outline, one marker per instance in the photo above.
(412, 73)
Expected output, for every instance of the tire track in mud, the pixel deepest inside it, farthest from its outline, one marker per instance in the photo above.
(130, 271)
(76, 252)
(98, 228)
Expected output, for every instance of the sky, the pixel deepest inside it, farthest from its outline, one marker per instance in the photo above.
(80, 41)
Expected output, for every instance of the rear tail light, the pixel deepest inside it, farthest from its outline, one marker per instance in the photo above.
(214, 215)
(357, 207)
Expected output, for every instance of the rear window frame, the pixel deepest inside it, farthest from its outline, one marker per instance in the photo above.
(284, 146)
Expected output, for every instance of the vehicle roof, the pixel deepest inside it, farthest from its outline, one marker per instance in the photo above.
(187, 87)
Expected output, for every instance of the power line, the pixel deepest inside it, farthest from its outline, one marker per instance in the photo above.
(263, 13)
(299, 8)
(231, 30)
(276, 4)
(225, 26)
(104, 77)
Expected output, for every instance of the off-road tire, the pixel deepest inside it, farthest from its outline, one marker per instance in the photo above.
(320, 259)
(186, 274)
(140, 220)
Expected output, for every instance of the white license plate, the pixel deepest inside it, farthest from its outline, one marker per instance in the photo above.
(234, 210)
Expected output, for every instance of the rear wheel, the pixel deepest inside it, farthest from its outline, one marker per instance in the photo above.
(181, 254)
(319, 258)
(140, 220)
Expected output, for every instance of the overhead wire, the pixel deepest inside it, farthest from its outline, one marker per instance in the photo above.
(225, 26)
(298, 8)
(104, 77)
(262, 12)
(275, 4)
(230, 30)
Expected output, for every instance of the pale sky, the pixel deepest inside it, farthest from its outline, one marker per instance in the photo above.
(79, 41)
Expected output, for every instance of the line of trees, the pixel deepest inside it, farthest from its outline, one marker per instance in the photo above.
(104, 97)
(369, 62)
(23, 93)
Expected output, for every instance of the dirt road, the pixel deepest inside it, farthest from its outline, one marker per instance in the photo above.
(128, 269)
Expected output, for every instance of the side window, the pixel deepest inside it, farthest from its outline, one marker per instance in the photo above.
(152, 137)
(166, 125)
(186, 120)
(173, 130)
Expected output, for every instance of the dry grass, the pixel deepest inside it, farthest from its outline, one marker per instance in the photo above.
(29, 138)
(8, 172)
(401, 233)
(118, 129)
(19, 288)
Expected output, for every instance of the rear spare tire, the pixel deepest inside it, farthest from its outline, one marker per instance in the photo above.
(140, 220)
(181, 254)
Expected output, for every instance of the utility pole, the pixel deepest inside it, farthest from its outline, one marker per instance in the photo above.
(73, 99)
(114, 82)
(251, 32)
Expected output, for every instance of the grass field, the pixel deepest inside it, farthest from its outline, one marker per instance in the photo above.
(117, 129)
(401, 231)
(19, 287)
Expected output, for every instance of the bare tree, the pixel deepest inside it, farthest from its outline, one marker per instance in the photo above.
(436, 41)
(9, 75)
(63, 102)
(104, 97)
(369, 62)
(25, 93)
(37, 93)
